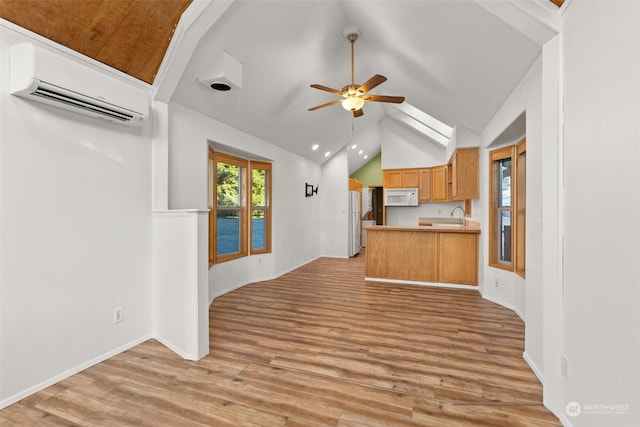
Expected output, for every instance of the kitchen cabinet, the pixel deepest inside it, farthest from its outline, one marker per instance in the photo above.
(452, 177)
(392, 178)
(430, 254)
(439, 184)
(456, 181)
(401, 178)
(463, 174)
(458, 258)
(355, 185)
(424, 189)
(400, 255)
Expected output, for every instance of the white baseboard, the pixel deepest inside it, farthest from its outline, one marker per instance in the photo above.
(296, 267)
(564, 421)
(238, 286)
(533, 367)
(433, 284)
(173, 348)
(226, 291)
(519, 313)
(36, 388)
(505, 305)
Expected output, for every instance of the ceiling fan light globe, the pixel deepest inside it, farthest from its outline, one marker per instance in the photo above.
(352, 103)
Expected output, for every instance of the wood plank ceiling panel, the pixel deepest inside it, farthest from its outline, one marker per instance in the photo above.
(129, 35)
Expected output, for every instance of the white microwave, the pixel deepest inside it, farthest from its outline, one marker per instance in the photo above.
(401, 197)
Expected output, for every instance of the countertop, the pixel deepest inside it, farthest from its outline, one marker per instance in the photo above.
(472, 227)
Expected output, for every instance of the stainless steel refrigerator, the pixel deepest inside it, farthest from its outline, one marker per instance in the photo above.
(354, 223)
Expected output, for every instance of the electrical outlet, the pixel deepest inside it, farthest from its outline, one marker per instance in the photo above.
(564, 365)
(117, 315)
(496, 282)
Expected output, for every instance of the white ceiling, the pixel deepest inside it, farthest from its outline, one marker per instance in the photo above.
(453, 59)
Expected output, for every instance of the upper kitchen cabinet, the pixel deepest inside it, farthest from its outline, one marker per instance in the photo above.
(355, 185)
(401, 178)
(463, 174)
(439, 184)
(456, 181)
(424, 189)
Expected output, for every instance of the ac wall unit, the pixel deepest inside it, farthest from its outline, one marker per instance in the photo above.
(41, 75)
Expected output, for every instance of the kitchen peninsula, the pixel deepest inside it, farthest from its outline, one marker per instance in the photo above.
(437, 252)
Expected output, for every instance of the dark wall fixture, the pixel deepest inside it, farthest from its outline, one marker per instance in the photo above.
(309, 190)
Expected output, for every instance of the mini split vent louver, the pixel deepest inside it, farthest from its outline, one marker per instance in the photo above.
(41, 75)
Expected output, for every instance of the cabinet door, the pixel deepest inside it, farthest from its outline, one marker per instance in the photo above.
(411, 178)
(466, 185)
(402, 255)
(458, 258)
(454, 177)
(439, 184)
(393, 178)
(424, 193)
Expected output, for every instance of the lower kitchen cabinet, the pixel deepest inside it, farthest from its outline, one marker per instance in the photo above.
(458, 257)
(401, 255)
(423, 254)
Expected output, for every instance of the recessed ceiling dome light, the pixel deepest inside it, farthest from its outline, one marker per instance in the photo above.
(327, 153)
(315, 147)
(354, 146)
(366, 156)
(361, 151)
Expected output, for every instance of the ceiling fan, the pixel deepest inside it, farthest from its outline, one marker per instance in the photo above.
(353, 95)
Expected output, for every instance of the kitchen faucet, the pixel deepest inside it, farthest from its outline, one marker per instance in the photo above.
(464, 219)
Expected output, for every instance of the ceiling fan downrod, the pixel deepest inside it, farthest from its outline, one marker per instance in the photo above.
(352, 39)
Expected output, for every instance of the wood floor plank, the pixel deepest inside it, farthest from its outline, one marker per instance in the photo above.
(318, 346)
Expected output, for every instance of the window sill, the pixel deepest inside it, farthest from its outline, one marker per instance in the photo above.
(506, 267)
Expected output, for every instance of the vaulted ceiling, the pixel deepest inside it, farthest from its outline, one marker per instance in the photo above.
(455, 60)
(129, 35)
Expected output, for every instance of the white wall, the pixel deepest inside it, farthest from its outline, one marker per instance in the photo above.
(75, 221)
(601, 54)
(551, 176)
(296, 235)
(404, 148)
(180, 278)
(334, 193)
(409, 215)
(188, 159)
(461, 137)
(523, 296)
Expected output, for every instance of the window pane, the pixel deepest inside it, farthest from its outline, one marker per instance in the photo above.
(504, 182)
(258, 230)
(229, 188)
(228, 227)
(258, 187)
(504, 228)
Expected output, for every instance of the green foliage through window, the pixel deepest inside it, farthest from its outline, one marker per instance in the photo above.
(239, 199)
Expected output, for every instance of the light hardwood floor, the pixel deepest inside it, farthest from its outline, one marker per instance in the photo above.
(316, 347)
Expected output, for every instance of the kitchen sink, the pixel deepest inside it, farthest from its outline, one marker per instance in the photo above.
(442, 222)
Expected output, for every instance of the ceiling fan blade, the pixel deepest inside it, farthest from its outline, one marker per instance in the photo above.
(328, 104)
(383, 98)
(358, 113)
(371, 83)
(327, 89)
